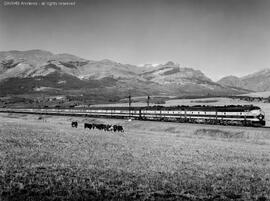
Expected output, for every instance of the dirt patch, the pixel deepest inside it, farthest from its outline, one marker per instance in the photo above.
(218, 133)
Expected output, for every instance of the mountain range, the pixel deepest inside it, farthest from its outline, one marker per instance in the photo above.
(259, 81)
(41, 72)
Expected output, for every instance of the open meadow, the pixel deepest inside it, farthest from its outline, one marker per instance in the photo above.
(46, 159)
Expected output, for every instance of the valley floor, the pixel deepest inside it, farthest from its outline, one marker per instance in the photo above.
(46, 159)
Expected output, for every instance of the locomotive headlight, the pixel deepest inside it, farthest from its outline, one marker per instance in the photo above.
(260, 116)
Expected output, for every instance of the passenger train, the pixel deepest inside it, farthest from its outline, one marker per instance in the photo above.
(240, 115)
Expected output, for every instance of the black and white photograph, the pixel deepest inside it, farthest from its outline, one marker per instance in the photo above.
(144, 100)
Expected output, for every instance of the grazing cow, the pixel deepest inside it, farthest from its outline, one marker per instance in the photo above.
(105, 127)
(98, 126)
(108, 128)
(114, 128)
(86, 125)
(74, 124)
(101, 126)
(118, 128)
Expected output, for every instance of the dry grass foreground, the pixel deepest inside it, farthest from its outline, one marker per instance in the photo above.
(49, 160)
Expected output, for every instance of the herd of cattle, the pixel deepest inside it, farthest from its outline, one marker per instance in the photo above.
(105, 127)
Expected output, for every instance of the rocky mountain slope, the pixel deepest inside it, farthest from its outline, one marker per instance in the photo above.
(232, 81)
(185, 79)
(38, 71)
(35, 63)
(259, 81)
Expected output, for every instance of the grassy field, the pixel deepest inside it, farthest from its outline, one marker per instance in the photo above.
(49, 160)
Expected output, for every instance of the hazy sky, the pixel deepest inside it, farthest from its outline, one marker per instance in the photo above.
(218, 37)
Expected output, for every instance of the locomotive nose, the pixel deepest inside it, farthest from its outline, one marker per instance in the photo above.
(261, 116)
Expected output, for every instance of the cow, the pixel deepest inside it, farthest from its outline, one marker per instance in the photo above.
(114, 128)
(102, 127)
(99, 126)
(105, 127)
(86, 125)
(74, 124)
(118, 128)
(108, 128)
